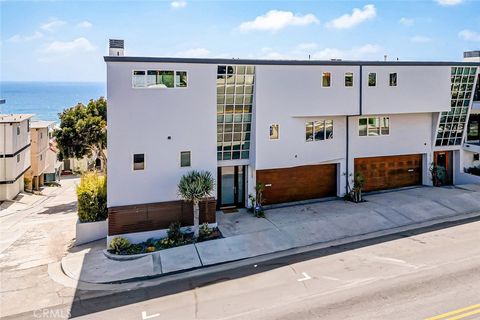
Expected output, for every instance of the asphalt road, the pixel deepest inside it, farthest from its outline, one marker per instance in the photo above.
(435, 273)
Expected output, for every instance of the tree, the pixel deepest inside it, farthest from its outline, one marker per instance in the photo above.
(83, 131)
(193, 187)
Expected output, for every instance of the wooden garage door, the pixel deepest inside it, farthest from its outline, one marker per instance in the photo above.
(298, 183)
(390, 172)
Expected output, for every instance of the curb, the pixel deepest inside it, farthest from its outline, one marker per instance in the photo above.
(229, 265)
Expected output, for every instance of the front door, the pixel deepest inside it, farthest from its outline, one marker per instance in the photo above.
(444, 159)
(231, 187)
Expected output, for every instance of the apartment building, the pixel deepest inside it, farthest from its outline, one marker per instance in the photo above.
(40, 144)
(14, 153)
(301, 128)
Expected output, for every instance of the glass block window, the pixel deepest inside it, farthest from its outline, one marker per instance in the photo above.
(452, 123)
(235, 85)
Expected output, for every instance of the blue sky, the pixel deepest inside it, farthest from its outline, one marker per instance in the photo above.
(66, 40)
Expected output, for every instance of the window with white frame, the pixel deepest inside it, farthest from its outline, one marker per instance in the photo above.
(348, 79)
(274, 131)
(393, 79)
(326, 79)
(374, 126)
(139, 161)
(319, 130)
(159, 79)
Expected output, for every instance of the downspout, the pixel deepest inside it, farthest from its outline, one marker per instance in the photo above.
(360, 106)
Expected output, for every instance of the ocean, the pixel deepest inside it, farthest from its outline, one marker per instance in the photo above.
(47, 99)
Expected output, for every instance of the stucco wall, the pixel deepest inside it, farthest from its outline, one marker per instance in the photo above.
(419, 89)
(141, 120)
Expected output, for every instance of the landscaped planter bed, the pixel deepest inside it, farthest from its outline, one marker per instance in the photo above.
(121, 247)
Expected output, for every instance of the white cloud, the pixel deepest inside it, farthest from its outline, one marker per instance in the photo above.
(275, 20)
(469, 35)
(52, 25)
(307, 46)
(19, 38)
(178, 4)
(448, 2)
(367, 51)
(350, 20)
(84, 24)
(67, 47)
(406, 21)
(420, 39)
(194, 53)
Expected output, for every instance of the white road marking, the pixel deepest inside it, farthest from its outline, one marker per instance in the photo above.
(145, 317)
(305, 277)
(330, 278)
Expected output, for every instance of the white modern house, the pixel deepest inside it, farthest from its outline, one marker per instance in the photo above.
(14, 153)
(301, 128)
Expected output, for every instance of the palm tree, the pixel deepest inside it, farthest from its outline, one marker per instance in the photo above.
(195, 186)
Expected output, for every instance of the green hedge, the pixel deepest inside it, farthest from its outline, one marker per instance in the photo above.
(92, 197)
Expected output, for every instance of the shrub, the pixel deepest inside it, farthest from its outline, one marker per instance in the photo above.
(175, 233)
(119, 245)
(205, 230)
(92, 197)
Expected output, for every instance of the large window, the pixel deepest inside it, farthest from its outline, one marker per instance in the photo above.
(348, 79)
(235, 85)
(319, 130)
(326, 79)
(274, 132)
(159, 79)
(139, 161)
(185, 159)
(393, 79)
(452, 123)
(374, 126)
(372, 79)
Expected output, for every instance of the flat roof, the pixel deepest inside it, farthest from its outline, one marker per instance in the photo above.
(36, 124)
(286, 62)
(8, 118)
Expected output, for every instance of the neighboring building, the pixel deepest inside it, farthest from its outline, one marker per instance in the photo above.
(471, 149)
(74, 165)
(14, 153)
(302, 128)
(54, 166)
(40, 144)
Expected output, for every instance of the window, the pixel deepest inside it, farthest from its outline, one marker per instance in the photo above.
(41, 157)
(28, 125)
(274, 132)
(372, 79)
(18, 158)
(18, 130)
(159, 79)
(139, 161)
(348, 79)
(393, 79)
(326, 79)
(319, 130)
(41, 135)
(181, 79)
(374, 126)
(185, 159)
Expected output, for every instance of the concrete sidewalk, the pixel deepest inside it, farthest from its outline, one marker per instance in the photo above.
(321, 224)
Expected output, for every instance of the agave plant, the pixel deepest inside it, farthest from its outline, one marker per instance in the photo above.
(193, 187)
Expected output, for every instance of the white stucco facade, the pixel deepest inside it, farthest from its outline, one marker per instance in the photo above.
(14, 154)
(162, 122)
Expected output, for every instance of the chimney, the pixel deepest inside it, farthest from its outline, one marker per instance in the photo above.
(116, 48)
(471, 56)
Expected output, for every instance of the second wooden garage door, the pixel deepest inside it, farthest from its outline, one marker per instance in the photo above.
(298, 183)
(390, 172)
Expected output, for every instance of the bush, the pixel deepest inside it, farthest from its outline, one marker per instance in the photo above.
(119, 245)
(92, 197)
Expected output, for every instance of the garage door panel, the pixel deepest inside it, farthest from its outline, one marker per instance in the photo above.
(390, 172)
(298, 183)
